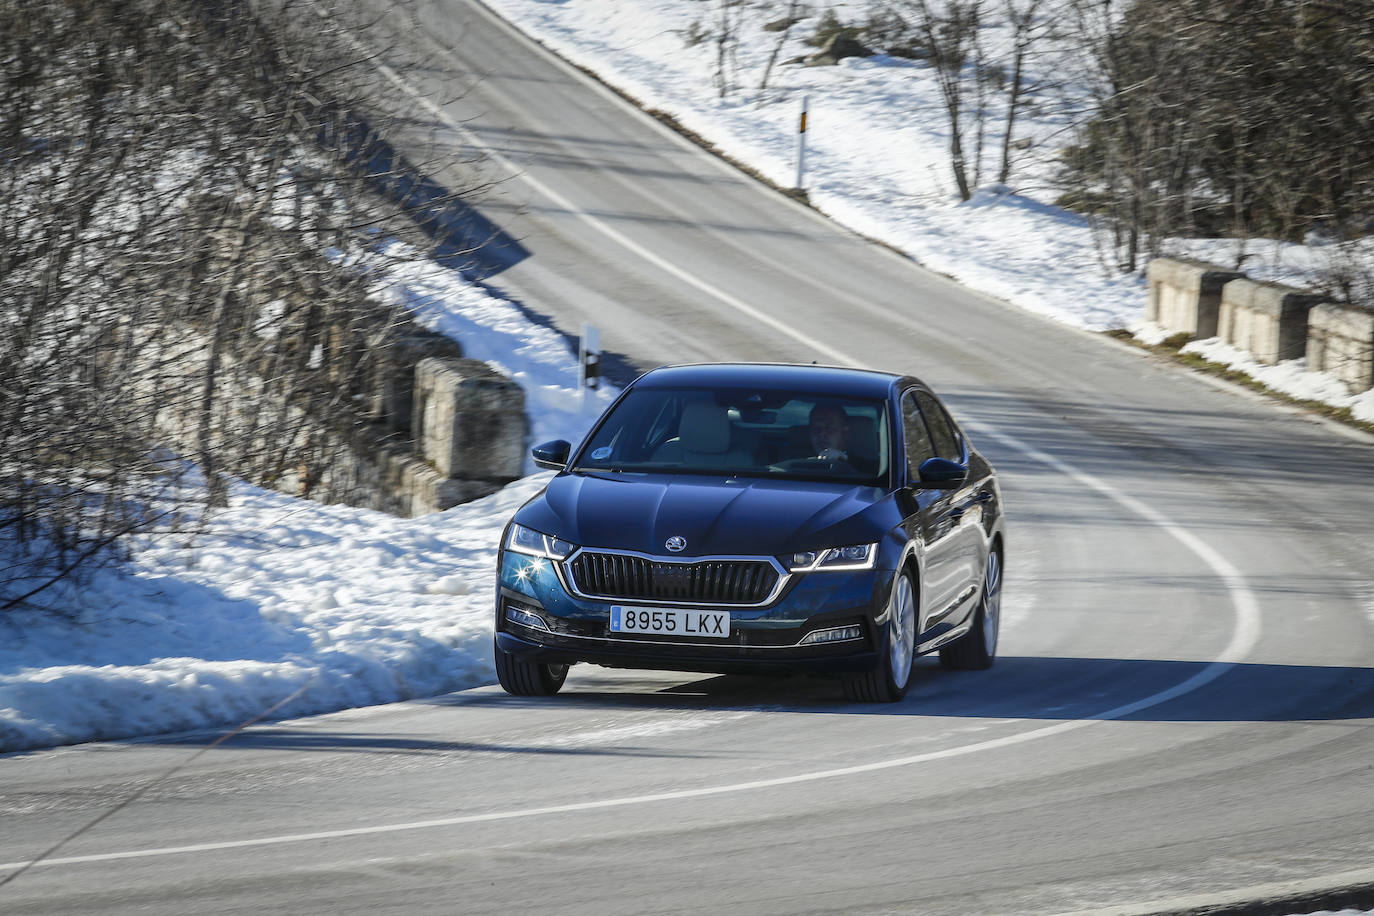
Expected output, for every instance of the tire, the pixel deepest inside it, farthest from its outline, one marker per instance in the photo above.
(522, 678)
(888, 682)
(977, 649)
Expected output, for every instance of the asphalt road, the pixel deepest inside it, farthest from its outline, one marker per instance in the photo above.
(1183, 704)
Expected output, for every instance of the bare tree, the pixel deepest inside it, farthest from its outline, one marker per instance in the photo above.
(789, 18)
(725, 38)
(1027, 25)
(1226, 117)
(948, 38)
(183, 181)
(949, 33)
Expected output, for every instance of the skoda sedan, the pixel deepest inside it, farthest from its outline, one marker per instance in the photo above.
(756, 519)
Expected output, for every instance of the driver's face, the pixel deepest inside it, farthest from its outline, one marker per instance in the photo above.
(829, 428)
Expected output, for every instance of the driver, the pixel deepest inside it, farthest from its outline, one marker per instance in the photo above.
(829, 429)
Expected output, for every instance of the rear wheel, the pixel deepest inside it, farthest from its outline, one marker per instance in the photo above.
(888, 682)
(523, 678)
(977, 648)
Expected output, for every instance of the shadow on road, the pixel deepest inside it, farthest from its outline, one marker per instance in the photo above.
(1016, 688)
(284, 738)
(464, 239)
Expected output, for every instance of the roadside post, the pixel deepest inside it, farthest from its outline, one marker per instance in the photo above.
(588, 361)
(801, 147)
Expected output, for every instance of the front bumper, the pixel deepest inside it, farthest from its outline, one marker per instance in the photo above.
(553, 626)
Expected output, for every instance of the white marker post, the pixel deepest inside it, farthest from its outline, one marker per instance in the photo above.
(801, 147)
(588, 361)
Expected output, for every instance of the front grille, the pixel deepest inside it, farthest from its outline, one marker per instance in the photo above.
(614, 575)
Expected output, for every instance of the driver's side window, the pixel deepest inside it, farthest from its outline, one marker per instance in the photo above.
(942, 430)
(915, 435)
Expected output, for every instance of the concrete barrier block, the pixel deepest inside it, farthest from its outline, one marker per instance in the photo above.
(469, 421)
(1269, 320)
(1185, 295)
(392, 399)
(1340, 340)
(421, 489)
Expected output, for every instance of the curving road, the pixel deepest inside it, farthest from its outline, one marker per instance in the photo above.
(1184, 706)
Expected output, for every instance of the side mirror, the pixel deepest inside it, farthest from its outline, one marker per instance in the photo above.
(552, 456)
(941, 473)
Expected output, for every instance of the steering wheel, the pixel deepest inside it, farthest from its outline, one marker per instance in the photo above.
(801, 464)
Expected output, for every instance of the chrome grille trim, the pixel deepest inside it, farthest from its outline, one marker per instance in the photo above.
(716, 581)
(614, 641)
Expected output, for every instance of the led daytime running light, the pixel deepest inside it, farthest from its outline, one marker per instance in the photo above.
(834, 634)
(537, 544)
(524, 617)
(836, 559)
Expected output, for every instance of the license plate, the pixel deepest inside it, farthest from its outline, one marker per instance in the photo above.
(670, 621)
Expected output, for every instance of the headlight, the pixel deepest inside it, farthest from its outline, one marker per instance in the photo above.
(858, 556)
(527, 540)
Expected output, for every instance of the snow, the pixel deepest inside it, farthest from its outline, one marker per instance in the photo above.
(282, 599)
(1290, 377)
(292, 607)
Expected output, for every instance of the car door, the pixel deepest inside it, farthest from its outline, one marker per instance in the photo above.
(968, 543)
(929, 518)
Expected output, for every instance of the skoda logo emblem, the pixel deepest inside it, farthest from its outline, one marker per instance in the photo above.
(677, 543)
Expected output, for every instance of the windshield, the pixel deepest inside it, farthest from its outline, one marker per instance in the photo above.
(742, 432)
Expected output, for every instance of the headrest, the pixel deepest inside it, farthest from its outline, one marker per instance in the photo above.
(704, 428)
(863, 436)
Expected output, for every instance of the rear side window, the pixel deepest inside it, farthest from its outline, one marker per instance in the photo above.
(918, 445)
(943, 433)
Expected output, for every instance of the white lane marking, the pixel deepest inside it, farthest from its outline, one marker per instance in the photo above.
(1247, 613)
(1243, 639)
(652, 728)
(604, 228)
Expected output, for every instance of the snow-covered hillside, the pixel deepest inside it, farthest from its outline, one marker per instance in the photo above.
(878, 157)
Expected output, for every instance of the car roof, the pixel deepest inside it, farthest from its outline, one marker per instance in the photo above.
(834, 380)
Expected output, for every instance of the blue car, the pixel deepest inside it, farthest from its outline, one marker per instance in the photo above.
(763, 519)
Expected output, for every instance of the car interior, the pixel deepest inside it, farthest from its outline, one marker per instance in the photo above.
(699, 431)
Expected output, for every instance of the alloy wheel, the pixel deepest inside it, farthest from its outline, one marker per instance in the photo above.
(901, 641)
(992, 602)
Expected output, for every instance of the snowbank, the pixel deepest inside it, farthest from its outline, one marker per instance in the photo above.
(323, 607)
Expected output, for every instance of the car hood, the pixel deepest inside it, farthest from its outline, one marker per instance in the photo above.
(716, 515)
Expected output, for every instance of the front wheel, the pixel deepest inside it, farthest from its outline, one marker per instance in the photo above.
(888, 682)
(977, 649)
(523, 678)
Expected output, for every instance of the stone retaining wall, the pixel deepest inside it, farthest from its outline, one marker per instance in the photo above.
(437, 430)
